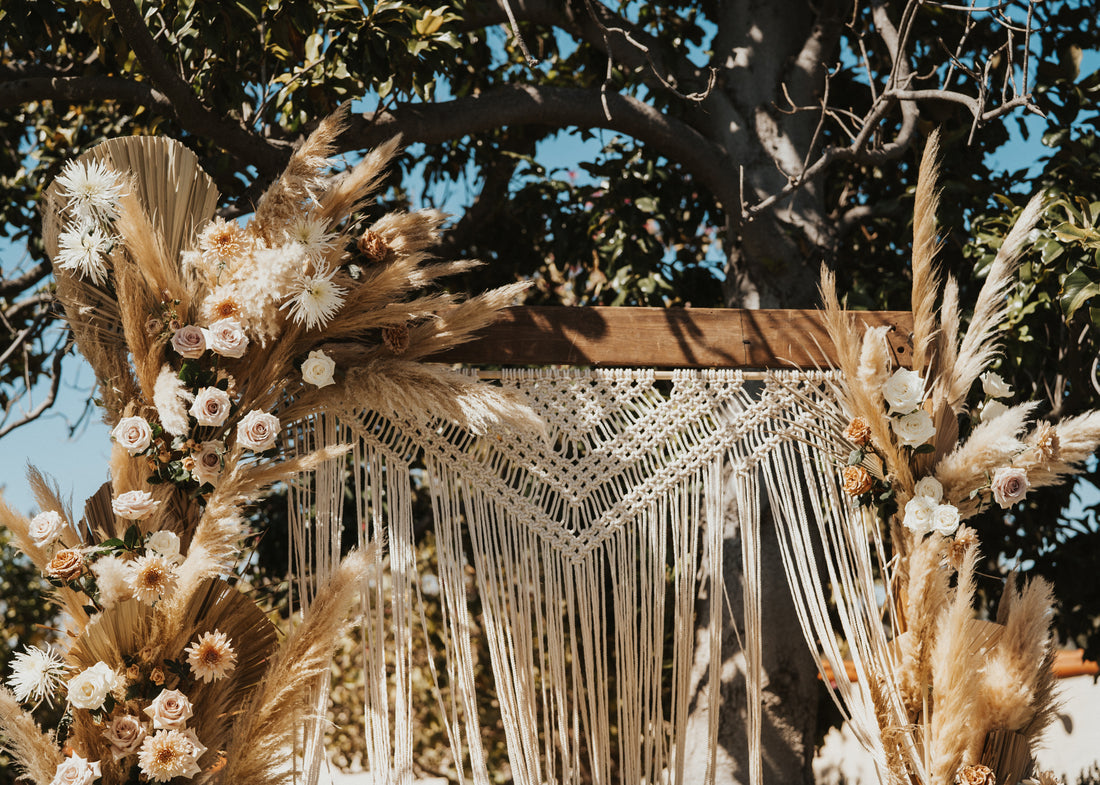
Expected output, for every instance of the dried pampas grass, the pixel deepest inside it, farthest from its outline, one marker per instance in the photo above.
(35, 752)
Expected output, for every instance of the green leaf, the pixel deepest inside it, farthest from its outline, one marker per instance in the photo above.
(1077, 288)
(855, 458)
(923, 449)
(113, 544)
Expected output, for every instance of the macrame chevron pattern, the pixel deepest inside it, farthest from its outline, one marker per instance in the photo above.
(590, 546)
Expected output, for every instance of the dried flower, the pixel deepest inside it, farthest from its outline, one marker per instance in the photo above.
(90, 688)
(309, 232)
(189, 341)
(167, 754)
(112, 578)
(36, 674)
(396, 338)
(1045, 440)
(170, 710)
(913, 429)
(373, 246)
(904, 391)
(153, 326)
(1010, 485)
(318, 369)
(857, 480)
(965, 539)
(83, 250)
(66, 565)
(858, 432)
(257, 430)
(314, 299)
(46, 528)
(211, 657)
(133, 434)
(156, 676)
(76, 770)
(92, 189)
(124, 733)
(134, 505)
(151, 577)
(975, 774)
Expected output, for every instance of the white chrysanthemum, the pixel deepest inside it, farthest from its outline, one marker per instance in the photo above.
(112, 579)
(314, 300)
(36, 674)
(83, 249)
(151, 577)
(309, 232)
(91, 188)
(166, 754)
(211, 657)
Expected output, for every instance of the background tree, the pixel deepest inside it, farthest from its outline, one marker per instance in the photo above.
(753, 140)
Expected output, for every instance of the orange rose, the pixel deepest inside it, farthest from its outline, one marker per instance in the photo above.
(857, 480)
(66, 565)
(858, 431)
(976, 774)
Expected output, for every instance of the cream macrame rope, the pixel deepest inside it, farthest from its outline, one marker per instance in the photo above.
(585, 543)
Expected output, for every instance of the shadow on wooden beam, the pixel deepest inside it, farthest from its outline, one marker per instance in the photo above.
(666, 338)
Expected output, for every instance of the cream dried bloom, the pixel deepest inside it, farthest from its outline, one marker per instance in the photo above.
(167, 754)
(222, 243)
(152, 577)
(931, 487)
(211, 657)
(318, 369)
(112, 579)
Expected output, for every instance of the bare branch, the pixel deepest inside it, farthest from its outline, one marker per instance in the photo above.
(12, 286)
(267, 155)
(51, 395)
(16, 89)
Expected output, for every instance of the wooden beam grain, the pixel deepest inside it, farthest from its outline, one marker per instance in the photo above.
(665, 338)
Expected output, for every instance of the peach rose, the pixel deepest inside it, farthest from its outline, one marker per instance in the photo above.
(857, 480)
(257, 430)
(66, 565)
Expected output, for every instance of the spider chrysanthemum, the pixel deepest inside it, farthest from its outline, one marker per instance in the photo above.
(36, 674)
(314, 299)
(309, 232)
(92, 190)
(211, 657)
(83, 249)
(152, 577)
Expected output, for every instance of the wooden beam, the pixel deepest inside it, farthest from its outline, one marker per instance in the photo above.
(665, 338)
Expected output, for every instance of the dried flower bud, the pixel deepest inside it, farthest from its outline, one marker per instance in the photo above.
(858, 431)
(133, 673)
(188, 462)
(373, 246)
(1045, 440)
(66, 565)
(153, 327)
(396, 338)
(175, 324)
(857, 480)
(157, 676)
(975, 774)
(965, 539)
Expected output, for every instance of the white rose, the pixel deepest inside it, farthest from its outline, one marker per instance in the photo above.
(189, 341)
(994, 386)
(133, 433)
(992, 409)
(913, 429)
(257, 430)
(208, 463)
(197, 751)
(904, 391)
(945, 519)
(227, 338)
(170, 710)
(211, 406)
(919, 512)
(75, 770)
(46, 527)
(317, 369)
(167, 544)
(134, 505)
(90, 688)
(1009, 486)
(929, 486)
(124, 733)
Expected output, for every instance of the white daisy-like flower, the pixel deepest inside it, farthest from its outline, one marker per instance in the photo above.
(314, 299)
(166, 754)
(211, 657)
(309, 232)
(91, 188)
(36, 674)
(151, 577)
(83, 249)
(223, 242)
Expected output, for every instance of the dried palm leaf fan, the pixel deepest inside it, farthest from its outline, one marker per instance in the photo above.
(207, 337)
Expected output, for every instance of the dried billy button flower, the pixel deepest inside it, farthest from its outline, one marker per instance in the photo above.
(373, 246)
(975, 774)
(858, 431)
(396, 338)
(857, 480)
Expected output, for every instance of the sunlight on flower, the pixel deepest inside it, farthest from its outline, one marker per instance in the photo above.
(36, 674)
(211, 657)
(314, 300)
(91, 188)
(83, 250)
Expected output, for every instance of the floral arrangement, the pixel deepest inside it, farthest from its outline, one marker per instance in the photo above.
(952, 698)
(209, 338)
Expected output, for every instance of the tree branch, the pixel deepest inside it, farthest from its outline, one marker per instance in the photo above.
(556, 107)
(44, 404)
(79, 89)
(12, 286)
(265, 154)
